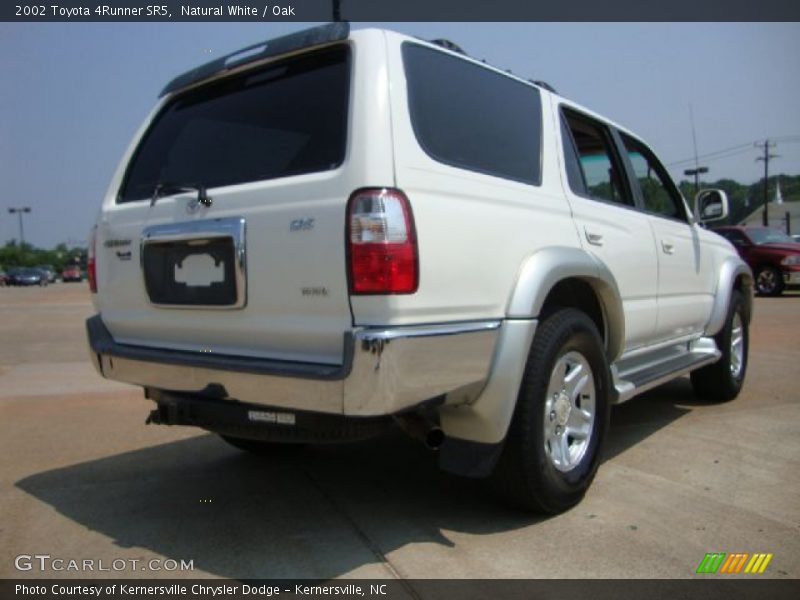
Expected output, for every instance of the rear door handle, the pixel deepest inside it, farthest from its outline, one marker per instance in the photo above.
(595, 239)
(667, 247)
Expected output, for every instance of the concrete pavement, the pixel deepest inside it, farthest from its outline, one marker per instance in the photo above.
(82, 477)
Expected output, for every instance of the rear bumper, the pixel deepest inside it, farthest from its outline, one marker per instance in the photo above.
(385, 371)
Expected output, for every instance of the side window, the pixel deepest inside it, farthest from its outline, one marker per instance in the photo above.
(658, 192)
(601, 175)
(471, 117)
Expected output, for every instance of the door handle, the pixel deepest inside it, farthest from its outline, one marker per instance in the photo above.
(595, 239)
(667, 247)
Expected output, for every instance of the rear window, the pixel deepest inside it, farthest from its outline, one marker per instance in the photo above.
(287, 119)
(472, 117)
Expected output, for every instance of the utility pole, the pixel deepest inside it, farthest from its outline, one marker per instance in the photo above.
(766, 145)
(19, 211)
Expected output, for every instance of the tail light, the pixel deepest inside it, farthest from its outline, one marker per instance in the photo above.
(382, 243)
(90, 263)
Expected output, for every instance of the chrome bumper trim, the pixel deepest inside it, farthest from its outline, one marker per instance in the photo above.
(396, 368)
(386, 370)
(427, 330)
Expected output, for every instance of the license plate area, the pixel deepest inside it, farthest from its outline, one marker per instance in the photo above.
(199, 264)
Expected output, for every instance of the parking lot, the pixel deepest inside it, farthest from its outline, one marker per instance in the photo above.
(83, 478)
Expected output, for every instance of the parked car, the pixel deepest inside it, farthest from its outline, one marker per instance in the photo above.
(773, 256)
(49, 271)
(26, 276)
(71, 273)
(512, 263)
(796, 237)
(3, 277)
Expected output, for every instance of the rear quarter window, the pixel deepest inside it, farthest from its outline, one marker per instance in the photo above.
(471, 117)
(289, 118)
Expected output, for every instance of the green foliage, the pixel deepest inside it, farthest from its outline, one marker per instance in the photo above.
(14, 255)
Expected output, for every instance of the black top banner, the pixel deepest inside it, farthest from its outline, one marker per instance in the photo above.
(399, 10)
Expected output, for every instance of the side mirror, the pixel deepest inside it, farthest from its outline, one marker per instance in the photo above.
(711, 205)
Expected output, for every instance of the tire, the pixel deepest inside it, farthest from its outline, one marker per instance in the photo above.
(722, 381)
(542, 468)
(262, 448)
(769, 281)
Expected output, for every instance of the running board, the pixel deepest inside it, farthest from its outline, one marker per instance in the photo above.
(632, 379)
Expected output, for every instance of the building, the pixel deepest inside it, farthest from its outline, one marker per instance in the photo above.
(784, 216)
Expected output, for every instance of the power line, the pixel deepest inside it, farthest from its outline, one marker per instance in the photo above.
(740, 147)
(708, 155)
(728, 154)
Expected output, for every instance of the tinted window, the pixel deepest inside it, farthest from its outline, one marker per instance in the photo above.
(764, 235)
(658, 192)
(287, 119)
(471, 117)
(599, 167)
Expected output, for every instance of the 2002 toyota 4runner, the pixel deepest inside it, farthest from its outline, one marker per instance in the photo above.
(320, 237)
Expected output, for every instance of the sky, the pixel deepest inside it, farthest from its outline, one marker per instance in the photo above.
(73, 94)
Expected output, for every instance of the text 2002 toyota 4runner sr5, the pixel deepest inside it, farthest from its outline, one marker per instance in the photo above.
(340, 231)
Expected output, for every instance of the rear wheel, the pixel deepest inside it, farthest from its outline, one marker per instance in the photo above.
(553, 446)
(723, 380)
(769, 281)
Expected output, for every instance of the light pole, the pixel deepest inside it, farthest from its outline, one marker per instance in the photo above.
(19, 211)
(696, 173)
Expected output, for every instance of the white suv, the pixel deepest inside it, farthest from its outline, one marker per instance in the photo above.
(317, 239)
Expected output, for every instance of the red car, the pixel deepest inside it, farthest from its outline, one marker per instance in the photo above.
(72, 273)
(773, 256)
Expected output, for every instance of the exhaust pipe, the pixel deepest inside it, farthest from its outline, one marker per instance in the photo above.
(421, 428)
(164, 414)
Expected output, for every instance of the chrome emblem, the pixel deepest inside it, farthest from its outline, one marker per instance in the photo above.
(192, 206)
(301, 225)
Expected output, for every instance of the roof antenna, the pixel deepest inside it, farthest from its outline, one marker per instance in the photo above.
(337, 12)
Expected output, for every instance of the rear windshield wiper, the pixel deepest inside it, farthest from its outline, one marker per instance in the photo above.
(167, 189)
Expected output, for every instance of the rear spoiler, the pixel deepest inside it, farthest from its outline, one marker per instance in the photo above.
(316, 36)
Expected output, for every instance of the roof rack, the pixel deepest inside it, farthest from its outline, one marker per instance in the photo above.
(453, 47)
(448, 45)
(316, 36)
(543, 84)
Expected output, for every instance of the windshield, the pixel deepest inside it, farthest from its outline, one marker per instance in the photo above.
(288, 118)
(765, 235)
